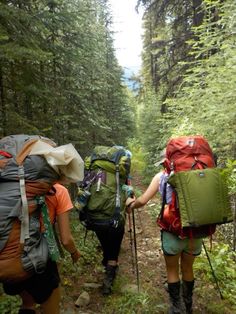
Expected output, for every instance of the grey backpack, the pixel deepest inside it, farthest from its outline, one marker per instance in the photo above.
(23, 179)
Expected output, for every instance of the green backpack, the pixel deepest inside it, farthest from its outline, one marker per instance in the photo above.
(194, 191)
(102, 193)
(202, 196)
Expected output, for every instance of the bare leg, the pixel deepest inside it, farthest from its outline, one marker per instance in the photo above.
(172, 268)
(52, 305)
(187, 261)
(27, 301)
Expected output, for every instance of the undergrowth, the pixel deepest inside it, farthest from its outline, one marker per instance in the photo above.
(216, 270)
(128, 303)
(8, 304)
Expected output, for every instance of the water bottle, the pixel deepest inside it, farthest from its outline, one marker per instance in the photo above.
(128, 190)
(82, 199)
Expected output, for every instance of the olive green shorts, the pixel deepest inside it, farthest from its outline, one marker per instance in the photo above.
(173, 245)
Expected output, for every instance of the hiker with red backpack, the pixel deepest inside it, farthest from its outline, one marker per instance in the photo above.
(194, 200)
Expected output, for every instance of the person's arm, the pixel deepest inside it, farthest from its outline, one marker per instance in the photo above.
(152, 189)
(66, 237)
(63, 207)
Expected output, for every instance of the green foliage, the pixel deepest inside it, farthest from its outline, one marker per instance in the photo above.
(193, 95)
(87, 242)
(59, 73)
(231, 171)
(223, 262)
(138, 162)
(152, 138)
(9, 304)
(206, 98)
(133, 303)
(204, 102)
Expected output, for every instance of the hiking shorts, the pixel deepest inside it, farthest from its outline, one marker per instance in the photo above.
(173, 245)
(39, 286)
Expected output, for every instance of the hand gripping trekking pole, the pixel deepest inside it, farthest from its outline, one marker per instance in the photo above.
(212, 270)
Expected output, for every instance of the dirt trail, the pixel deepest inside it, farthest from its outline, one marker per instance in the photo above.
(152, 274)
(150, 264)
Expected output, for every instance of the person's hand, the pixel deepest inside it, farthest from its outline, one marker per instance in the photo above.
(75, 256)
(128, 204)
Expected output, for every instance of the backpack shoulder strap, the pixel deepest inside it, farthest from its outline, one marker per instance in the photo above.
(49, 233)
(163, 200)
(117, 206)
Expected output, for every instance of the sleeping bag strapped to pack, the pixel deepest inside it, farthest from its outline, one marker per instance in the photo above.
(23, 178)
(194, 191)
(101, 195)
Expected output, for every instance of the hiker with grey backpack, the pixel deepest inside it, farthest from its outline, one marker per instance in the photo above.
(194, 200)
(101, 203)
(31, 202)
(44, 288)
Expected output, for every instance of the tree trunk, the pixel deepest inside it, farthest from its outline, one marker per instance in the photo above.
(3, 105)
(198, 14)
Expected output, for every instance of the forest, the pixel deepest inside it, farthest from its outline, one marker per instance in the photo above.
(60, 78)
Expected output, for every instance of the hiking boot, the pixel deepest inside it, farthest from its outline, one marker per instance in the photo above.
(175, 301)
(187, 287)
(108, 280)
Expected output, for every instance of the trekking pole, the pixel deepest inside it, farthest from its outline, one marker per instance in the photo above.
(130, 193)
(212, 270)
(135, 250)
(131, 242)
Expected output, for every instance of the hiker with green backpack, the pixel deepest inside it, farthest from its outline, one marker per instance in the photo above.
(101, 203)
(194, 200)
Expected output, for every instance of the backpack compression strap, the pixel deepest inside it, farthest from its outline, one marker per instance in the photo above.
(119, 154)
(24, 234)
(117, 208)
(115, 159)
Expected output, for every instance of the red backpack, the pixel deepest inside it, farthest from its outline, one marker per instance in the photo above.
(183, 154)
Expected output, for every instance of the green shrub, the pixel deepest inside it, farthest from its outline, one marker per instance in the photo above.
(222, 259)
